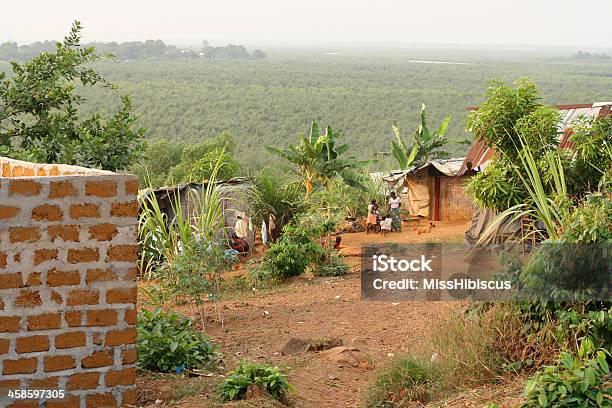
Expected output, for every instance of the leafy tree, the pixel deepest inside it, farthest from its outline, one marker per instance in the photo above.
(425, 145)
(166, 162)
(39, 118)
(318, 158)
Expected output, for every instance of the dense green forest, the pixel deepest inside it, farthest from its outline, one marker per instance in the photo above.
(132, 50)
(363, 93)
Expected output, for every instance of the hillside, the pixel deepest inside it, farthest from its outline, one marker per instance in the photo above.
(361, 92)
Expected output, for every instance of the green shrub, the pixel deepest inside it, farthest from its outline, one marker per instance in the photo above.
(406, 379)
(290, 256)
(333, 265)
(166, 342)
(267, 378)
(576, 381)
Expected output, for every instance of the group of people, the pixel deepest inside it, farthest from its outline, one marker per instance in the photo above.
(388, 222)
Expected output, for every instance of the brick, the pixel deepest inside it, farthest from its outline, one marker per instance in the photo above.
(33, 279)
(59, 363)
(120, 337)
(98, 275)
(132, 274)
(101, 188)
(129, 398)
(83, 381)
(84, 210)
(131, 187)
(3, 259)
(9, 324)
(122, 253)
(57, 298)
(129, 209)
(73, 318)
(130, 316)
(103, 232)
(9, 385)
(25, 188)
(24, 404)
(4, 346)
(83, 297)
(44, 383)
(47, 212)
(60, 189)
(126, 376)
(65, 232)
(106, 317)
(45, 321)
(97, 339)
(68, 402)
(32, 344)
(11, 280)
(83, 255)
(7, 212)
(123, 295)
(100, 401)
(20, 366)
(63, 278)
(28, 298)
(98, 359)
(70, 340)
(44, 255)
(129, 356)
(24, 234)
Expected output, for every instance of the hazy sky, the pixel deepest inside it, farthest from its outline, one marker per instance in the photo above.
(509, 22)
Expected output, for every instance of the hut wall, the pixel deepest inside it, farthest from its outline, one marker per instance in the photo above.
(455, 205)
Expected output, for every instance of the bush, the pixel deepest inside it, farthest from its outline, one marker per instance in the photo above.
(576, 381)
(406, 379)
(166, 342)
(290, 256)
(267, 378)
(332, 266)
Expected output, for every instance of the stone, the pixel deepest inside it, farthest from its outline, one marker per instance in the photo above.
(296, 345)
(349, 356)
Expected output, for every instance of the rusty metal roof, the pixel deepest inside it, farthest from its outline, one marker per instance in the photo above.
(480, 154)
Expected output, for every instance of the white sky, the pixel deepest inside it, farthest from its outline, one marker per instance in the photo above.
(508, 22)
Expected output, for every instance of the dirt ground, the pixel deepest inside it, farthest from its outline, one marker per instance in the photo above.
(256, 326)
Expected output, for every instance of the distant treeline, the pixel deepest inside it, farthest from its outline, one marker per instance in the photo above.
(133, 50)
(591, 56)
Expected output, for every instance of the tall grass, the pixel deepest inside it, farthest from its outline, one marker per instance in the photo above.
(547, 195)
(163, 239)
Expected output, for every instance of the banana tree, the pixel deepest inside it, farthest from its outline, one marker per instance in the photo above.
(425, 145)
(317, 157)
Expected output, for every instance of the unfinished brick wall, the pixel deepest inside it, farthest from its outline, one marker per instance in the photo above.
(67, 284)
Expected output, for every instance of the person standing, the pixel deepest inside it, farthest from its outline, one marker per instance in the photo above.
(394, 209)
(372, 220)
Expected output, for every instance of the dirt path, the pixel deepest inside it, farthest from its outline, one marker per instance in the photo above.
(258, 325)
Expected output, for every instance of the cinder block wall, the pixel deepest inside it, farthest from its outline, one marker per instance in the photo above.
(67, 284)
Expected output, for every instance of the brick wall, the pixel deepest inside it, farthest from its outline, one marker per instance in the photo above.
(67, 284)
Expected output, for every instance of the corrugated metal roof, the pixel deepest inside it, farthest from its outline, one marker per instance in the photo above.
(448, 167)
(480, 154)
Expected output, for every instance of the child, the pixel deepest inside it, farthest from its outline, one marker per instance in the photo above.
(372, 220)
(385, 224)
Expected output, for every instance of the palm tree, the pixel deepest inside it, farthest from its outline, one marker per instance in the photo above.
(425, 145)
(318, 158)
